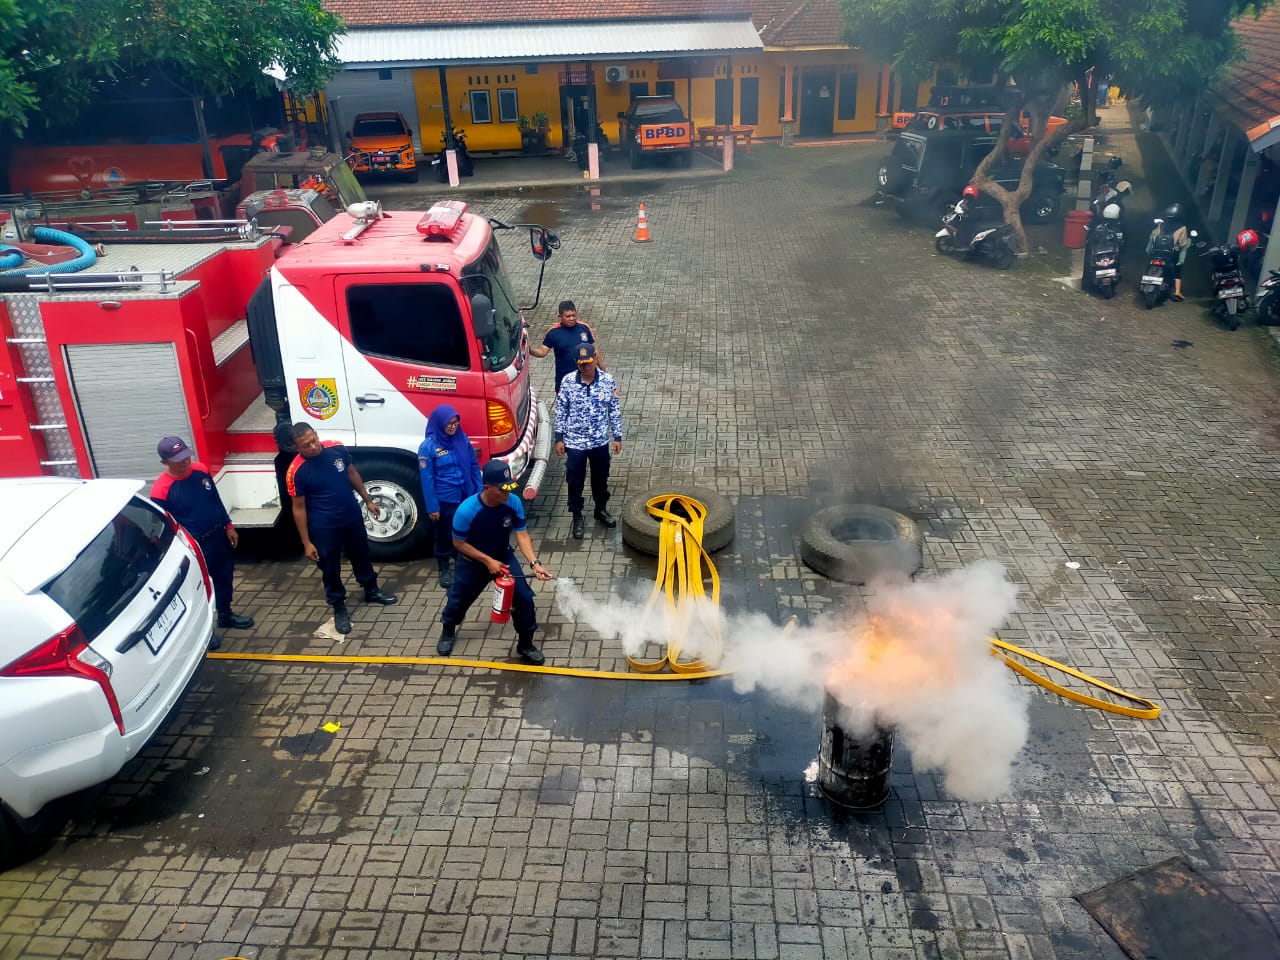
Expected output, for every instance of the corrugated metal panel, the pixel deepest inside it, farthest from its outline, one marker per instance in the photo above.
(429, 46)
(354, 92)
(122, 424)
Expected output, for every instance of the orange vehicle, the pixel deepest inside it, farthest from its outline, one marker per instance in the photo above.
(101, 166)
(653, 126)
(382, 144)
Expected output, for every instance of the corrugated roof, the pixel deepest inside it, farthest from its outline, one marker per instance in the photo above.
(497, 43)
(363, 13)
(1249, 93)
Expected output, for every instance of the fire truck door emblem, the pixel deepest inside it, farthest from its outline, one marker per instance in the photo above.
(319, 396)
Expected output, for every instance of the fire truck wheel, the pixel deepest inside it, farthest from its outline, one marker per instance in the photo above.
(403, 527)
(855, 542)
(640, 530)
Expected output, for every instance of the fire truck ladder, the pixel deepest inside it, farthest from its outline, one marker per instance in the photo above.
(33, 350)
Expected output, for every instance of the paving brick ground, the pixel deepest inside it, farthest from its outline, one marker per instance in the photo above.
(791, 346)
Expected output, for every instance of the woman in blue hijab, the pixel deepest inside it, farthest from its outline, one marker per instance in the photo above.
(450, 473)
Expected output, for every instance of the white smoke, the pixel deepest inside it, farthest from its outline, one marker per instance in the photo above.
(918, 660)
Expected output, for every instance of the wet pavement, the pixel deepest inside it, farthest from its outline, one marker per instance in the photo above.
(792, 346)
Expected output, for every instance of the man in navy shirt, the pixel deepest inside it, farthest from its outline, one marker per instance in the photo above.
(186, 490)
(564, 338)
(482, 529)
(321, 480)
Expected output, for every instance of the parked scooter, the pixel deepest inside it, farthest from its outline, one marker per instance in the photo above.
(1229, 298)
(1107, 175)
(1102, 251)
(1157, 283)
(967, 236)
(1269, 302)
(439, 163)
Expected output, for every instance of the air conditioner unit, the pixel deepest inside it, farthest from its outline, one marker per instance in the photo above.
(615, 74)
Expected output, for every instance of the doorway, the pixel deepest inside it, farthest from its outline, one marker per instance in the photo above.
(577, 111)
(817, 103)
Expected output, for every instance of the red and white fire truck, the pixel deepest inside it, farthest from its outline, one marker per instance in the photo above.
(209, 333)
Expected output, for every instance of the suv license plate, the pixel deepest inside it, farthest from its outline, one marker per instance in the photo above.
(1233, 292)
(1153, 279)
(163, 627)
(1106, 272)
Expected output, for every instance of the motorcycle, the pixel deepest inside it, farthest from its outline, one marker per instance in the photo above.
(579, 154)
(1229, 300)
(1157, 285)
(439, 163)
(1102, 252)
(986, 241)
(1269, 302)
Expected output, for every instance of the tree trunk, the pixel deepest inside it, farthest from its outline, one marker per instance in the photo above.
(206, 152)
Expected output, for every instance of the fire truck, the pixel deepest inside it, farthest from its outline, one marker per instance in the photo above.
(213, 333)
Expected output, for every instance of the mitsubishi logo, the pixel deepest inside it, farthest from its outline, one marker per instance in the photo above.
(155, 594)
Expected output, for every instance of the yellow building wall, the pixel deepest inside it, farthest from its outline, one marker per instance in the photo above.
(534, 92)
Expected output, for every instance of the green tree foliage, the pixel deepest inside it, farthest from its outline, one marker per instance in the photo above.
(1162, 50)
(51, 51)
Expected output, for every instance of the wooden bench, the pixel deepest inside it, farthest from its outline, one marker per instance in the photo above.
(715, 135)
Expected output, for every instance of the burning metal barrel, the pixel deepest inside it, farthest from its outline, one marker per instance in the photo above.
(853, 772)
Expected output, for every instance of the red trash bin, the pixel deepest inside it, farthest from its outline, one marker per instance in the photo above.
(1073, 230)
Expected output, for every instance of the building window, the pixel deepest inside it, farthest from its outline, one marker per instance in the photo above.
(724, 101)
(638, 89)
(384, 74)
(848, 104)
(665, 88)
(480, 109)
(508, 106)
(749, 107)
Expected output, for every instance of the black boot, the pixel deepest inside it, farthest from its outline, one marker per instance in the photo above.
(341, 619)
(446, 573)
(234, 621)
(448, 637)
(578, 529)
(604, 516)
(380, 596)
(526, 649)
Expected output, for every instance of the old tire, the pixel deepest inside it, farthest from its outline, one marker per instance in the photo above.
(640, 530)
(856, 542)
(1044, 207)
(404, 526)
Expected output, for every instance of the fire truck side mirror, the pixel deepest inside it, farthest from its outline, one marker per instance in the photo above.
(483, 319)
(542, 242)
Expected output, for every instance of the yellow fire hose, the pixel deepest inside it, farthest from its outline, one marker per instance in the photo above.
(681, 561)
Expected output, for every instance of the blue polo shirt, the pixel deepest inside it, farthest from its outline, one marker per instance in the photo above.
(193, 500)
(564, 342)
(322, 479)
(489, 529)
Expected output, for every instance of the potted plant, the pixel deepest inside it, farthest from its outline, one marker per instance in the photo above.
(533, 131)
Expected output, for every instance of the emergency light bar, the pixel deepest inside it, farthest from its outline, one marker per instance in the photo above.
(442, 220)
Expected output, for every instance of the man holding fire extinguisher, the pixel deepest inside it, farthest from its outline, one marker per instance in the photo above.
(482, 528)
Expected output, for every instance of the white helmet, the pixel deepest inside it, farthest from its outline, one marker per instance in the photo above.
(1111, 211)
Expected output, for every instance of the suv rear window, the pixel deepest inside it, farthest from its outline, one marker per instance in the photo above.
(658, 113)
(385, 127)
(110, 571)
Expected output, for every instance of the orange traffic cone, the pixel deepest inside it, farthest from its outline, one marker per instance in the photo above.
(642, 227)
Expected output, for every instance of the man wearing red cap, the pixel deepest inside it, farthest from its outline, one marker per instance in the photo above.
(187, 491)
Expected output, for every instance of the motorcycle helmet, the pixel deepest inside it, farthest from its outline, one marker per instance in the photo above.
(1247, 241)
(971, 192)
(1173, 211)
(1111, 211)
(1124, 188)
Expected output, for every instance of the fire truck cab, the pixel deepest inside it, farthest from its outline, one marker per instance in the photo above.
(359, 330)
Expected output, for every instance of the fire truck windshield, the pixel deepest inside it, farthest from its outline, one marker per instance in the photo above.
(499, 349)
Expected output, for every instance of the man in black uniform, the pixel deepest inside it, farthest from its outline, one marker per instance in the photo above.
(482, 528)
(321, 480)
(187, 491)
(564, 338)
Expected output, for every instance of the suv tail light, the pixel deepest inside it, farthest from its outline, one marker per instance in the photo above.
(502, 422)
(190, 541)
(69, 655)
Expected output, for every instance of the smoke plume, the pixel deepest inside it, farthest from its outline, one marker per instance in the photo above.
(917, 660)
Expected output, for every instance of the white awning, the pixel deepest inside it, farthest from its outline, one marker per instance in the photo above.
(527, 42)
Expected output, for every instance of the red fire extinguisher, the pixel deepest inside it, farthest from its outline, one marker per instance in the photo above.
(504, 587)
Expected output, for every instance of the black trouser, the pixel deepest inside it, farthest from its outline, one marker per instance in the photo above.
(575, 473)
(469, 582)
(332, 543)
(444, 531)
(217, 557)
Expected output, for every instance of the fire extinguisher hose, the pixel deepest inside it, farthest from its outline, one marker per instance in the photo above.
(1145, 709)
(681, 561)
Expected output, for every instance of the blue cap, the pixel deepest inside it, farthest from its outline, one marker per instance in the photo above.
(586, 353)
(497, 473)
(173, 449)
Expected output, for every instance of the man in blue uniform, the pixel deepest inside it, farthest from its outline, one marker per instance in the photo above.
(564, 338)
(588, 412)
(482, 529)
(321, 480)
(187, 491)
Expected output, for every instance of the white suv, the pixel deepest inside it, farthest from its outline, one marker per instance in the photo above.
(107, 610)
